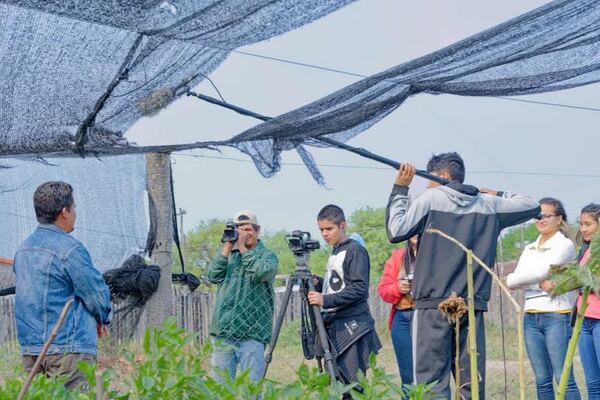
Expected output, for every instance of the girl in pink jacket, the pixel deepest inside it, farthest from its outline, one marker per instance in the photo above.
(394, 288)
(589, 341)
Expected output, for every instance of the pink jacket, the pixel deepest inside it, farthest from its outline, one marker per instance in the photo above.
(593, 308)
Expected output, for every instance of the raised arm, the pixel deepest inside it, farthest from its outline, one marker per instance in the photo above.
(402, 220)
(514, 209)
(217, 269)
(262, 267)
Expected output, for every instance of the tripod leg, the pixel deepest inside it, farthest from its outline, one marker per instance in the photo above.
(278, 322)
(327, 356)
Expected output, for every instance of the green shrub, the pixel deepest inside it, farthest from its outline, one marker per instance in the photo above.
(171, 367)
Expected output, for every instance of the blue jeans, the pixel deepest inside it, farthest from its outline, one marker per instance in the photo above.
(546, 339)
(589, 352)
(228, 354)
(402, 342)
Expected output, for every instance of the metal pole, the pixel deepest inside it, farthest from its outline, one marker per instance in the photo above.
(289, 285)
(322, 139)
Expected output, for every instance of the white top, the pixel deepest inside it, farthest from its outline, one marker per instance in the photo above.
(534, 266)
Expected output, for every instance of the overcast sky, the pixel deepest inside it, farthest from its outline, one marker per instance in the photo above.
(500, 140)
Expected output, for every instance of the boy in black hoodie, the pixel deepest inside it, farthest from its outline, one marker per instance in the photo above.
(343, 297)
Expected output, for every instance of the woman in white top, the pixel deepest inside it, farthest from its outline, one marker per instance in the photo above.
(547, 320)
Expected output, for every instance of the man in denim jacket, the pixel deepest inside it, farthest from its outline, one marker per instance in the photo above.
(52, 267)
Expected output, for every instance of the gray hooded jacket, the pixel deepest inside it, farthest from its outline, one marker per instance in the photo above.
(475, 219)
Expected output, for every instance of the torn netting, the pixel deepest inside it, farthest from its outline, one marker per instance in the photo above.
(109, 193)
(554, 47)
(84, 72)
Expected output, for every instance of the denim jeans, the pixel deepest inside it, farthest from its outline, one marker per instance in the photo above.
(546, 339)
(589, 352)
(228, 354)
(402, 342)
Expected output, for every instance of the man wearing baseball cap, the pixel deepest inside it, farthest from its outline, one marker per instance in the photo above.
(242, 321)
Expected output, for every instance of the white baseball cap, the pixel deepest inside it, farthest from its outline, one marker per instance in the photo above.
(245, 217)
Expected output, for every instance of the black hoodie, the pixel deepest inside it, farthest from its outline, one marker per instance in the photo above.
(346, 282)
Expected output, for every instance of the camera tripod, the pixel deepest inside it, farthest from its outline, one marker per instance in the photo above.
(303, 277)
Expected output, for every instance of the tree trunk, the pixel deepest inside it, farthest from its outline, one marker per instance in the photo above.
(159, 307)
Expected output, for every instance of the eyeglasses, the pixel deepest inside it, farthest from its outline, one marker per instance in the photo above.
(545, 216)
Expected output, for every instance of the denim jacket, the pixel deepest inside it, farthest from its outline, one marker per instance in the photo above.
(52, 267)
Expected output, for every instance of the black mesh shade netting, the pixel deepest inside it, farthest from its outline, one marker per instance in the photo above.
(75, 75)
(551, 48)
(77, 72)
(78, 75)
(133, 283)
(110, 198)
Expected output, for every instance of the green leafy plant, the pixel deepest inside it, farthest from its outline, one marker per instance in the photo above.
(568, 278)
(170, 365)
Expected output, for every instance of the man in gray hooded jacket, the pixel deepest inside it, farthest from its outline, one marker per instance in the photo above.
(475, 218)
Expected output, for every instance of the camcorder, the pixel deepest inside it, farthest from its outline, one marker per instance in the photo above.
(230, 233)
(300, 242)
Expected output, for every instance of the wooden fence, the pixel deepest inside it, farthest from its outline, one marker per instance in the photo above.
(193, 312)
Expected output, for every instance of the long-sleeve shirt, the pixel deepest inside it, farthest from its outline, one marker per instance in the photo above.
(245, 297)
(388, 285)
(474, 219)
(346, 283)
(534, 266)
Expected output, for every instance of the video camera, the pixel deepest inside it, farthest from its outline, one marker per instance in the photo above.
(300, 242)
(230, 234)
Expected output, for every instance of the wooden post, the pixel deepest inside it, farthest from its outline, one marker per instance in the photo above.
(566, 371)
(158, 170)
(472, 328)
(521, 341)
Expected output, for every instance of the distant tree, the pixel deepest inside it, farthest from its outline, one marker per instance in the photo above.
(287, 263)
(276, 242)
(203, 242)
(201, 245)
(370, 224)
(512, 243)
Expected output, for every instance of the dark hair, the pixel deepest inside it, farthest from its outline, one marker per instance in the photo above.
(559, 209)
(50, 198)
(452, 163)
(410, 258)
(332, 213)
(592, 209)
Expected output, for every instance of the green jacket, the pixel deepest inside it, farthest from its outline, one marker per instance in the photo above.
(245, 297)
